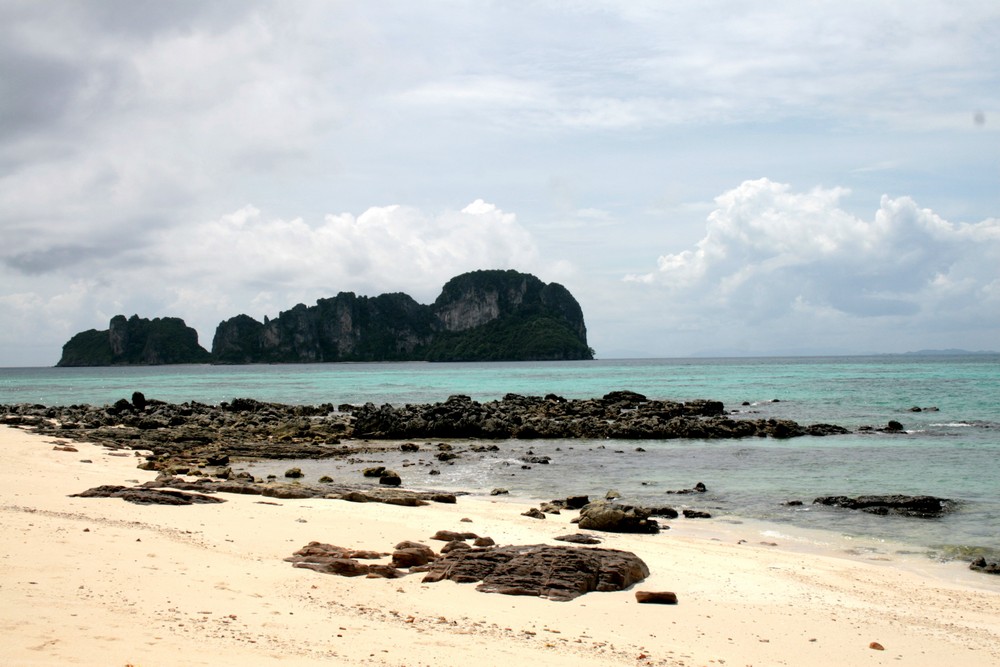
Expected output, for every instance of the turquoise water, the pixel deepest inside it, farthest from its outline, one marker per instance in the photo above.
(950, 452)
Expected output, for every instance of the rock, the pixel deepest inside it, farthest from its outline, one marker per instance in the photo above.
(577, 502)
(294, 473)
(325, 479)
(875, 646)
(390, 478)
(655, 597)
(664, 511)
(893, 427)
(925, 507)
(697, 488)
(610, 517)
(374, 472)
(345, 567)
(579, 538)
(552, 572)
(499, 492)
(534, 513)
(288, 491)
(147, 496)
(451, 536)
(696, 514)
(981, 565)
(412, 554)
(483, 542)
(453, 545)
(409, 447)
(611, 494)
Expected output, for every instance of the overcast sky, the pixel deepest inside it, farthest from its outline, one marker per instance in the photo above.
(706, 178)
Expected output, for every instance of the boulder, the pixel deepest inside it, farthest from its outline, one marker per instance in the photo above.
(614, 518)
(552, 572)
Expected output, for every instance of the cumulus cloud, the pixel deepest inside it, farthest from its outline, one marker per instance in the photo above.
(772, 253)
(383, 249)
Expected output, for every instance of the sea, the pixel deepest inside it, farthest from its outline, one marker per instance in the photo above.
(949, 406)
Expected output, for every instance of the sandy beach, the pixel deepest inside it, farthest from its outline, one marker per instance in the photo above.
(88, 581)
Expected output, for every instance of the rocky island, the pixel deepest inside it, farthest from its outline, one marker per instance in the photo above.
(491, 315)
(136, 341)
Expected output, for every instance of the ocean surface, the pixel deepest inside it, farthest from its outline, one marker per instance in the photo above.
(950, 451)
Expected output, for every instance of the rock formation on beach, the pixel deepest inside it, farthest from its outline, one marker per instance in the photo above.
(136, 341)
(479, 316)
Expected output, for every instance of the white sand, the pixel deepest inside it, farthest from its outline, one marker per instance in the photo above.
(105, 582)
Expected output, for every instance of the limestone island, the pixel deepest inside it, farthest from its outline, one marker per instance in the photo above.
(492, 315)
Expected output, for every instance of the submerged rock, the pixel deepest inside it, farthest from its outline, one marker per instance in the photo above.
(925, 507)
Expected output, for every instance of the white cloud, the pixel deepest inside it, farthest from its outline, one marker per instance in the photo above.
(770, 253)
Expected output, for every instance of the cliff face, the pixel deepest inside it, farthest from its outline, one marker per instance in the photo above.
(135, 340)
(343, 328)
(483, 315)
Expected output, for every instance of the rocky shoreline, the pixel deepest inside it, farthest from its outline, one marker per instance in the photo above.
(194, 435)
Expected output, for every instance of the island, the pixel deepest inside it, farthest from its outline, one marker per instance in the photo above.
(487, 315)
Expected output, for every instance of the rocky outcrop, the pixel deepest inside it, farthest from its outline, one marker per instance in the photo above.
(147, 496)
(553, 572)
(925, 507)
(190, 436)
(479, 316)
(135, 341)
(617, 415)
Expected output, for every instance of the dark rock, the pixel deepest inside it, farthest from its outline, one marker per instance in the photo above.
(696, 514)
(390, 478)
(579, 538)
(664, 511)
(893, 427)
(534, 513)
(655, 597)
(483, 542)
(374, 472)
(451, 536)
(409, 447)
(453, 545)
(293, 472)
(147, 496)
(611, 517)
(412, 554)
(927, 507)
(577, 502)
(553, 572)
(981, 565)
(499, 492)
(345, 567)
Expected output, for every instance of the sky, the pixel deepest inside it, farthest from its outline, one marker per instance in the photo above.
(713, 178)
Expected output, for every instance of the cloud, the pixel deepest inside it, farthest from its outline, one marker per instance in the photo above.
(770, 253)
(383, 249)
